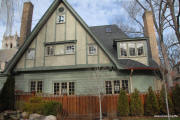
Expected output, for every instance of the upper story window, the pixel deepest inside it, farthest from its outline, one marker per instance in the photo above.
(140, 49)
(69, 49)
(132, 49)
(108, 30)
(50, 50)
(60, 19)
(92, 50)
(123, 49)
(30, 54)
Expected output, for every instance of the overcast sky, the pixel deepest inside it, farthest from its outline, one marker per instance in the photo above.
(93, 12)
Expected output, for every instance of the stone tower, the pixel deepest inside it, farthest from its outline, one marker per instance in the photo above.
(9, 42)
(149, 31)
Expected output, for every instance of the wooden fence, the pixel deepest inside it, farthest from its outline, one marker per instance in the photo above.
(83, 105)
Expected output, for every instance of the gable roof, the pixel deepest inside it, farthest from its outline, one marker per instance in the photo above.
(116, 33)
(40, 24)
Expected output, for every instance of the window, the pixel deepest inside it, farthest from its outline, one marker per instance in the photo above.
(92, 50)
(125, 85)
(56, 88)
(132, 49)
(11, 45)
(123, 49)
(36, 86)
(108, 87)
(60, 19)
(70, 49)
(140, 49)
(66, 88)
(116, 86)
(71, 88)
(30, 54)
(50, 50)
(108, 30)
(113, 87)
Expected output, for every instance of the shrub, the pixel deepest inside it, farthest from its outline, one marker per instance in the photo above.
(34, 105)
(136, 107)
(52, 108)
(7, 96)
(162, 103)
(123, 104)
(176, 99)
(151, 103)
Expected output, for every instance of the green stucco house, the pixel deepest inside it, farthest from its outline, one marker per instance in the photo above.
(64, 56)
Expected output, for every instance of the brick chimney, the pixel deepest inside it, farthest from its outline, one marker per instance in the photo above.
(26, 22)
(149, 31)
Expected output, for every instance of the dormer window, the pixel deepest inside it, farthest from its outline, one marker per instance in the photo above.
(123, 49)
(140, 49)
(108, 30)
(132, 49)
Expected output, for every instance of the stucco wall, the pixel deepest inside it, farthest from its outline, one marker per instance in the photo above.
(70, 30)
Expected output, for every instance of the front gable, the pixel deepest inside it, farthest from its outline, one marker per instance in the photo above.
(61, 43)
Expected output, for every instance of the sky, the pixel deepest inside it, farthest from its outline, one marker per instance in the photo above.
(93, 12)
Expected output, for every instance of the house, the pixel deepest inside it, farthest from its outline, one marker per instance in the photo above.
(64, 56)
(176, 74)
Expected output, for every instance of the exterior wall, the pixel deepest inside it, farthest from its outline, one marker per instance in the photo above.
(53, 32)
(142, 59)
(86, 82)
(2, 81)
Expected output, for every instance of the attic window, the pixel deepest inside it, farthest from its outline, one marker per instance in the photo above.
(60, 19)
(92, 50)
(108, 30)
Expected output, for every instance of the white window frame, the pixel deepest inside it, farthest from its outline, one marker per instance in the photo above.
(142, 47)
(132, 44)
(36, 86)
(30, 54)
(61, 19)
(51, 51)
(93, 50)
(70, 49)
(70, 90)
(122, 45)
(114, 86)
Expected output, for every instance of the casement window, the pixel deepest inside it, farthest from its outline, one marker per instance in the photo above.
(108, 87)
(64, 88)
(92, 50)
(49, 50)
(140, 49)
(30, 54)
(36, 86)
(70, 49)
(60, 19)
(125, 85)
(113, 87)
(123, 49)
(132, 49)
(116, 87)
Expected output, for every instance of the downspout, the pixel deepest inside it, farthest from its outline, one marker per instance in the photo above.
(130, 78)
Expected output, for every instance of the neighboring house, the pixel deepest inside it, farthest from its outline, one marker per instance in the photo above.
(61, 56)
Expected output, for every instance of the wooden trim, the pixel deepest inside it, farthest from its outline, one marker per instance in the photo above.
(60, 42)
